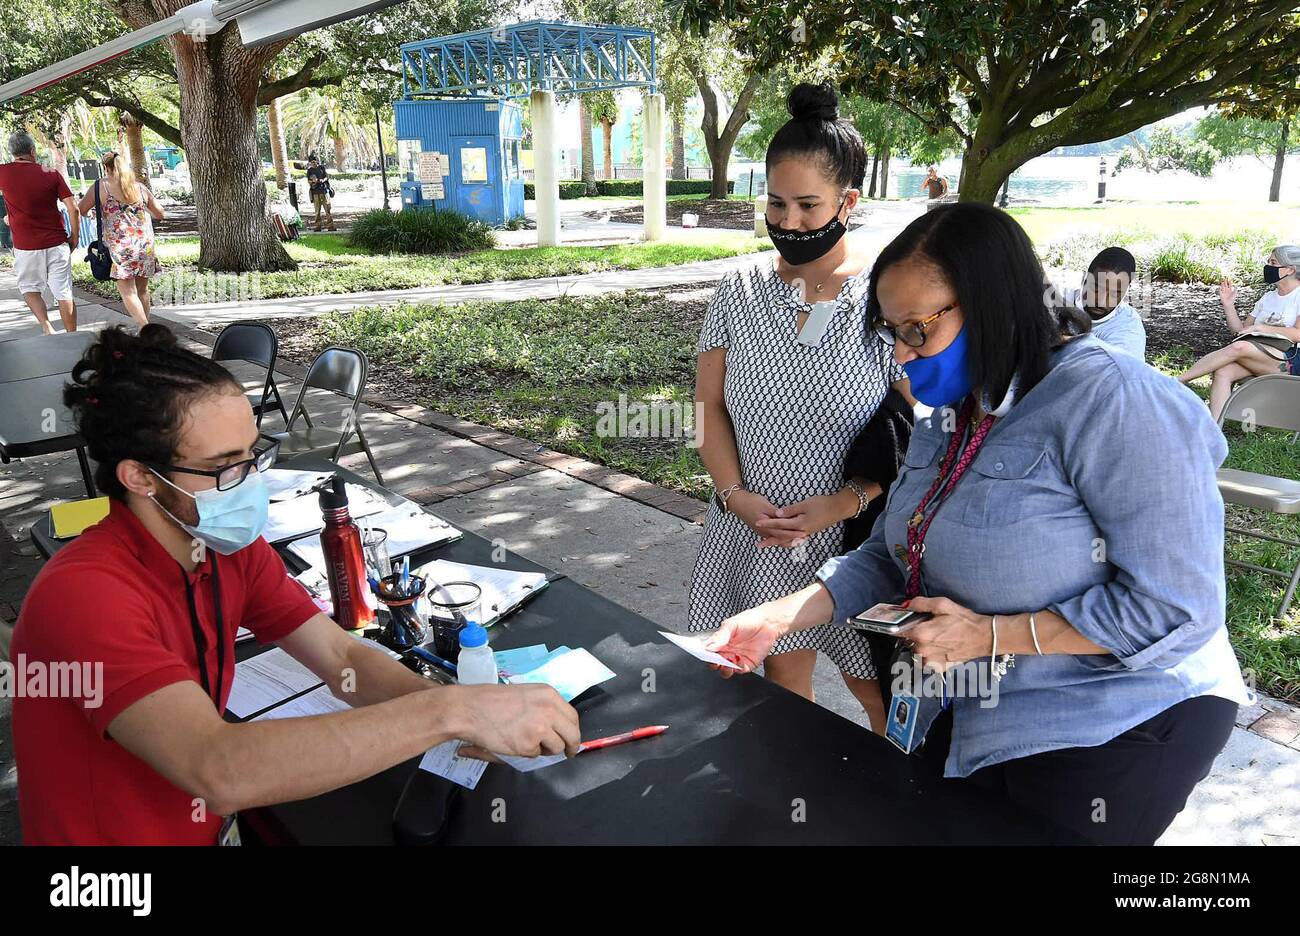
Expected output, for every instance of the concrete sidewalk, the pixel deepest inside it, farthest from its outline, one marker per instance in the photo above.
(633, 542)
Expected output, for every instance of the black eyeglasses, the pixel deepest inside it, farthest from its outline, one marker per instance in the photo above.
(913, 334)
(232, 476)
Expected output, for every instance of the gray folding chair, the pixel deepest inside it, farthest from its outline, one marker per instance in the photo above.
(257, 344)
(342, 371)
(1269, 402)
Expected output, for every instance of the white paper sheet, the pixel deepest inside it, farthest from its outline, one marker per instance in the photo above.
(289, 518)
(695, 647)
(288, 483)
(529, 764)
(409, 528)
(319, 701)
(267, 679)
(442, 760)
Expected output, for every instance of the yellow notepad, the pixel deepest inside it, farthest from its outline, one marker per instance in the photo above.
(71, 517)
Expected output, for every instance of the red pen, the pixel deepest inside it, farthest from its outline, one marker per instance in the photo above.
(634, 735)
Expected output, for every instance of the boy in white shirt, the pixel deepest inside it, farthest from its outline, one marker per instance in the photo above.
(1102, 296)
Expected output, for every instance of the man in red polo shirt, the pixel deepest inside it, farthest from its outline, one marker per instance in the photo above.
(42, 250)
(146, 604)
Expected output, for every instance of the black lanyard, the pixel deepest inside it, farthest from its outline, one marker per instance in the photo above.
(200, 641)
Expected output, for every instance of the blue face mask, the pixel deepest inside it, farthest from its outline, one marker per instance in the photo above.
(941, 378)
(228, 520)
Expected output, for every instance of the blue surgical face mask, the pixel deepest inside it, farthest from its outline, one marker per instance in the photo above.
(228, 520)
(941, 378)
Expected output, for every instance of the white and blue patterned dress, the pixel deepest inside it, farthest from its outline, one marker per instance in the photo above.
(796, 410)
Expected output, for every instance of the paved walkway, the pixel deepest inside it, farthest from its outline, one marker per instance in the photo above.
(632, 541)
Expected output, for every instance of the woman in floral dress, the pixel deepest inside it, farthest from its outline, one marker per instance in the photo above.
(129, 212)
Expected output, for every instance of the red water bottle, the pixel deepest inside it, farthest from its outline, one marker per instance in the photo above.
(345, 563)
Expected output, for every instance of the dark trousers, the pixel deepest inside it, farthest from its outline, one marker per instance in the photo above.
(1124, 792)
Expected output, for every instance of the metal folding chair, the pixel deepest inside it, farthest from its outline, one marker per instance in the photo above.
(338, 370)
(257, 344)
(1270, 402)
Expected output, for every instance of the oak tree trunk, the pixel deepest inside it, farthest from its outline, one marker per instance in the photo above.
(875, 164)
(219, 80)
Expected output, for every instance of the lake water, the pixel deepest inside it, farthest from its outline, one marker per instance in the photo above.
(1072, 180)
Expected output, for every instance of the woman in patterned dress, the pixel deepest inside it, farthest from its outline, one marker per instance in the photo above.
(788, 375)
(129, 213)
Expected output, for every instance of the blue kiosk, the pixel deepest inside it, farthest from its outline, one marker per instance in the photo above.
(460, 123)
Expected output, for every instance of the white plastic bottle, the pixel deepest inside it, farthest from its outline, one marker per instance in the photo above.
(476, 666)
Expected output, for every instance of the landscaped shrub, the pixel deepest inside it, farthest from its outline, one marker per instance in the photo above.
(630, 188)
(1176, 258)
(567, 190)
(421, 230)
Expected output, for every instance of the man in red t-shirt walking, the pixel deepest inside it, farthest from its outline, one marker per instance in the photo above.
(42, 250)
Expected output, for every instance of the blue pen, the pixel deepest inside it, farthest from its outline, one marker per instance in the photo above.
(428, 657)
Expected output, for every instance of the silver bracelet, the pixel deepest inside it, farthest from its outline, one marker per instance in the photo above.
(998, 668)
(1033, 632)
(861, 492)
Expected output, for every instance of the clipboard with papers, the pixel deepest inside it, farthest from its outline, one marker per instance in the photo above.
(504, 590)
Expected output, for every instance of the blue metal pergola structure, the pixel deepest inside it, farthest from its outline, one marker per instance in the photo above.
(513, 61)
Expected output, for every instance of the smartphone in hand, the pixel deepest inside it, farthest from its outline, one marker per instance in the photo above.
(886, 618)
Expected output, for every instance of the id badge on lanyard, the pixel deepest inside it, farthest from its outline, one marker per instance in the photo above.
(912, 713)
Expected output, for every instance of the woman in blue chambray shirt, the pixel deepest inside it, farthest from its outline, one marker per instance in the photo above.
(1077, 524)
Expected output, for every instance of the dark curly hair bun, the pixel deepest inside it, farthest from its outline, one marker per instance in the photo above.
(816, 131)
(129, 394)
(813, 102)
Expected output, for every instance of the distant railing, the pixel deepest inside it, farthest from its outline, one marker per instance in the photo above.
(630, 172)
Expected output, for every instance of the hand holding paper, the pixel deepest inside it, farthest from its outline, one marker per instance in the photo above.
(696, 648)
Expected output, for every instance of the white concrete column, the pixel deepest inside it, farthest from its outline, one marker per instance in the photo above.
(546, 173)
(654, 181)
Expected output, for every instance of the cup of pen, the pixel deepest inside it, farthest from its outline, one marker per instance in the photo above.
(451, 605)
(405, 629)
(374, 545)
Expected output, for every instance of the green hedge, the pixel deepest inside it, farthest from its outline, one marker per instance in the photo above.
(422, 231)
(567, 190)
(629, 188)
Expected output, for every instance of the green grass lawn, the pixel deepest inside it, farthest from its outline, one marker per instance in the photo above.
(329, 265)
(1268, 647)
(1160, 219)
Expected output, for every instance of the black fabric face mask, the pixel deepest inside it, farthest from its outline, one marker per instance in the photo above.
(1272, 274)
(800, 247)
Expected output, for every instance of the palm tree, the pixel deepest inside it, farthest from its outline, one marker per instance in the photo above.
(320, 117)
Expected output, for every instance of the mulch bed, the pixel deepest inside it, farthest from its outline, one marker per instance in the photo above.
(714, 213)
(182, 220)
